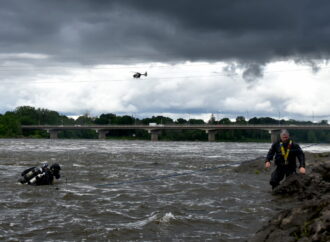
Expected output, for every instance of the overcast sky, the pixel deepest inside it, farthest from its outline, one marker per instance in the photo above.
(227, 57)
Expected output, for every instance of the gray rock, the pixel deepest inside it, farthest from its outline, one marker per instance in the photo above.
(252, 166)
(310, 220)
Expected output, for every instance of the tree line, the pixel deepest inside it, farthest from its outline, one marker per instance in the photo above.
(11, 121)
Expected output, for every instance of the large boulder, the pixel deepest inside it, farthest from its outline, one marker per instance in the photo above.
(301, 186)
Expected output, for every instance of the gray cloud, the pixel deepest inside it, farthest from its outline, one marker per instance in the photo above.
(124, 31)
(252, 73)
(51, 41)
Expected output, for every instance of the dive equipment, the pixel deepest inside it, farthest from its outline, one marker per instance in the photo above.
(29, 175)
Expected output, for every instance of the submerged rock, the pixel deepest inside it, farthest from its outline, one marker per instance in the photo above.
(252, 166)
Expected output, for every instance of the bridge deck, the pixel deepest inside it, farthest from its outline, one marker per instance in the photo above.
(178, 127)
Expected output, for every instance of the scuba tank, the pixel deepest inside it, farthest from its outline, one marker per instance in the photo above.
(33, 181)
(30, 175)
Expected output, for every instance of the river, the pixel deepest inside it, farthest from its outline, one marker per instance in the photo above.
(135, 191)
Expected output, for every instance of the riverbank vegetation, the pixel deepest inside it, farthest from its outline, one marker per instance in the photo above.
(11, 121)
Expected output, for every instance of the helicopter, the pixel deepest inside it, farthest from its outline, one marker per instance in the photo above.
(138, 74)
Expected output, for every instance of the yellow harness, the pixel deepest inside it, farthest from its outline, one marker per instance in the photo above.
(286, 153)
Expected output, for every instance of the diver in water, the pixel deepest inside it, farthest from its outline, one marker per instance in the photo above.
(40, 175)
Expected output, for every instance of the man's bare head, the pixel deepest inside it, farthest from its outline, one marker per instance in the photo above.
(284, 135)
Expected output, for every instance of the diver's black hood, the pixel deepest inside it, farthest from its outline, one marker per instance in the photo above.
(55, 169)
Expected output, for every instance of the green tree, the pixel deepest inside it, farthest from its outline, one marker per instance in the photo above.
(324, 122)
(84, 120)
(9, 125)
(181, 121)
(241, 120)
(126, 120)
(212, 119)
(196, 121)
(108, 118)
(225, 121)
(311, 137)
(158, 120)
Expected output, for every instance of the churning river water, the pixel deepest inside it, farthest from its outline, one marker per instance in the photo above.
(134, 191)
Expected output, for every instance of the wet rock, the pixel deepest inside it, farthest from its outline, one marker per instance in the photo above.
(299, 185)
(252, 166)
(310, 220)
(323, 170)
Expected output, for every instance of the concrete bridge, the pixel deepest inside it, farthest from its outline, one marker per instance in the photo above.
(155, 130)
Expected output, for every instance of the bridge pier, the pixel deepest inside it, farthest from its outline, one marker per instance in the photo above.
(53, 134)
(102, 133)
(154, 134)
(274, 135)
(211, 135)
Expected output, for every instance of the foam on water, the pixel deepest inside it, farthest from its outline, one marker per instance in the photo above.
(167, 218)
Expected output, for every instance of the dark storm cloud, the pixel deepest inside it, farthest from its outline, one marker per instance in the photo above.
(252, 73)
(122, 31)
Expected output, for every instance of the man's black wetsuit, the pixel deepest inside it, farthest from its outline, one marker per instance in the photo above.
(283, 169)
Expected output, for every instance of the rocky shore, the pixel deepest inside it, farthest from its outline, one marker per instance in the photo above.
(310, 219)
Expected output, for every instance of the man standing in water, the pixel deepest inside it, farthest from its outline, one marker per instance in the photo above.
(286, 152)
